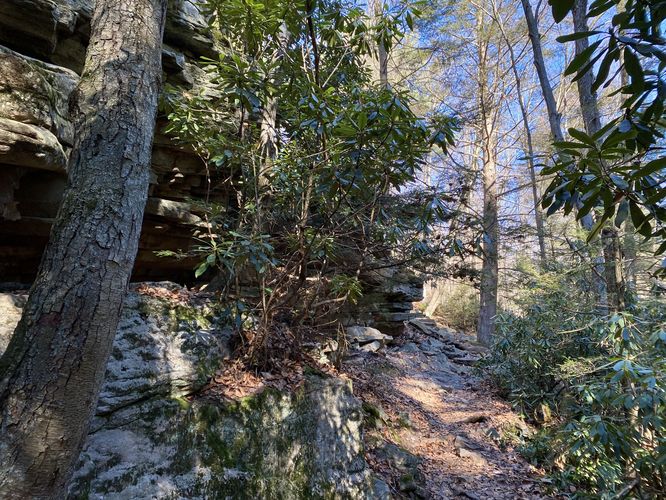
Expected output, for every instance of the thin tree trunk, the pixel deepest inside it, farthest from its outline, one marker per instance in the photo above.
(528, 138)
(614, 278)
(435, 300)
(376, 11)
(554, 117)
(51, 373)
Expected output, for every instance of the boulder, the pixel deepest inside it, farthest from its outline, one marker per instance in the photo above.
(36, 93)
(365, 335)
(155, 436)
(26, 145)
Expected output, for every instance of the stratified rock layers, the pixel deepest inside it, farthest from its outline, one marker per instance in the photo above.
(42, 47)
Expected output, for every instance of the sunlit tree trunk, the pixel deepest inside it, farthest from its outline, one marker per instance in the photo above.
(376, 11)
(51, 373)
(488, 118)
(610, 240)
(554, 117)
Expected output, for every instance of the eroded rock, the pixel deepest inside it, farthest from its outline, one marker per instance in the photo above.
(154, 436)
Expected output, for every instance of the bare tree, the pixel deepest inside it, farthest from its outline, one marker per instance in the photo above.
(528, 134)
(487, 135)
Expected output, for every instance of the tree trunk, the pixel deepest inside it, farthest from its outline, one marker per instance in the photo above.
(435, 299)
(554, 117)
(490, 267)
(51, 373)
(488, 136)
(376, 12)
(610, 240)
(588, 101)
(614, 278)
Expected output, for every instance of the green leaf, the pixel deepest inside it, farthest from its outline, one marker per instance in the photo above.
(651, 168)
(570, 144)
(201, 269)
(582, 58)
(633, 67)
(582, 137)
(576, 36)
(604, 69)
(561, 8)
(597, 227)
(637, 215)
(622, 213)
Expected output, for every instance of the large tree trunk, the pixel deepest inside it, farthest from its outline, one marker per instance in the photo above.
(490, 267)
(51, 373)
(488, 123)
(588, 101)
(610, 240)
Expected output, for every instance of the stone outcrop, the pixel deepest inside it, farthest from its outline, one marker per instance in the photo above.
(387, 300)
(42, 49)
(155, 436)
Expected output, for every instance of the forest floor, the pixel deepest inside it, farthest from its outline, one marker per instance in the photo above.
(440, 431)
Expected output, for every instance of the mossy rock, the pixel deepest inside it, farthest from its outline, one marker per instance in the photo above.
(271, 445)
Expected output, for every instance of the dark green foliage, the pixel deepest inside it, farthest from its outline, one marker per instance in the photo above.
(321, 161)
(598, 386)
(620, 169)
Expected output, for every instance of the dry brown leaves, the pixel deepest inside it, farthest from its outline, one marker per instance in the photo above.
(177, 296)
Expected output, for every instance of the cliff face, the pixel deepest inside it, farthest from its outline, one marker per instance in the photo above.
(42, 49)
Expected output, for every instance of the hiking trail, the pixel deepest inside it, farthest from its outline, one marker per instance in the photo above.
(436, 429)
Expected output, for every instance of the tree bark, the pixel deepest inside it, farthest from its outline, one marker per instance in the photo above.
(376, 12)
(554, 117)
(52, 371)
(588, 100)
(610, 240)
(614, 278)
(488, 136)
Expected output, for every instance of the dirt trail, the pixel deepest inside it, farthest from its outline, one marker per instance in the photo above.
(439, 432)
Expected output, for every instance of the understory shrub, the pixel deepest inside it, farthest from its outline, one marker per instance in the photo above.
(596, 385)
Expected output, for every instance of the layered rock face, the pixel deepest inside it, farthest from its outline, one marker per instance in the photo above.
(155, 435)
(42, 49)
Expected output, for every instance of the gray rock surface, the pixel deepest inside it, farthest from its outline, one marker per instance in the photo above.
(154, 436)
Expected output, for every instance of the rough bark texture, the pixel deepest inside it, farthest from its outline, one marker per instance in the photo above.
(52, 371)
(376, 11)
(588, 100)
(488, 135)
(615, 284)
